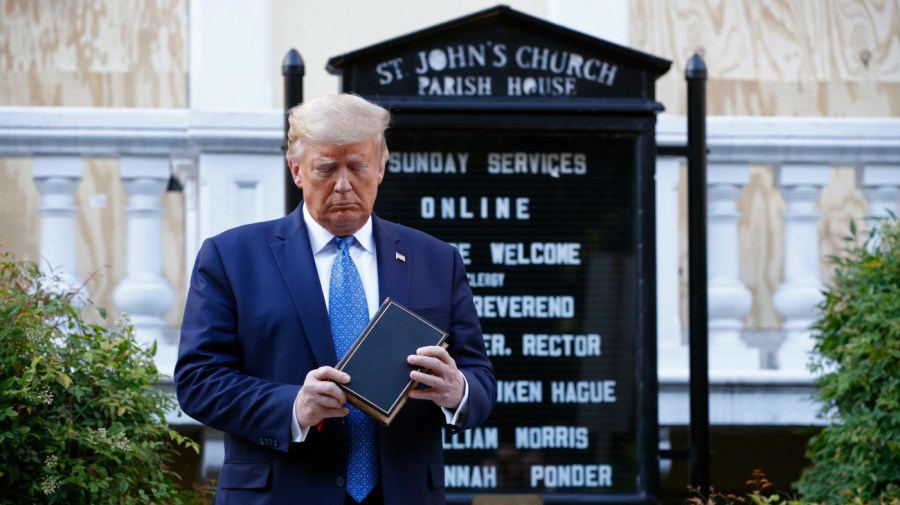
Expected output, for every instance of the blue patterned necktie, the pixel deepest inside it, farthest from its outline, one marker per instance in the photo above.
(349, 314)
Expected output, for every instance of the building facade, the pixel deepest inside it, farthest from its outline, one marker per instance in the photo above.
(130, 131)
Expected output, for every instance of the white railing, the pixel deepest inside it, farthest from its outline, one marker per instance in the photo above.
(231, 170)
(759, 375)
(223, 161)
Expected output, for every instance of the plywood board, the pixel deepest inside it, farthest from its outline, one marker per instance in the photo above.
(778, 57)
(103, 53)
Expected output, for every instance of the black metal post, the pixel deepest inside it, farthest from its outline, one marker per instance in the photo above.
(292, 68)
(698, 316)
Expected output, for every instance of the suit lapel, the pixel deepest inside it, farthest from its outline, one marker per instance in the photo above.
(394, 260)
(294, 257)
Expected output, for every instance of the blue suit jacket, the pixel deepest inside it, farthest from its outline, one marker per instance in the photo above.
(255, 323)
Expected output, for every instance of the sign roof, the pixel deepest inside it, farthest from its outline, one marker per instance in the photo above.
(499, 54)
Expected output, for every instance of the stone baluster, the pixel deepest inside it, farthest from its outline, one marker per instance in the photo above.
(729, 299)
(881, 185)
(671, 350)
(797, 296)
(186, 170)
(57, 179)
(144, 294)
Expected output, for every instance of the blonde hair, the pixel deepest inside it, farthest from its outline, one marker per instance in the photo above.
(341, 120)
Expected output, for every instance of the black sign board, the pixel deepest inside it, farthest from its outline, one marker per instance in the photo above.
(531, 148)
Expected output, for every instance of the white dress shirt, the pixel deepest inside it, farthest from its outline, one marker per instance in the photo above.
(364, 255)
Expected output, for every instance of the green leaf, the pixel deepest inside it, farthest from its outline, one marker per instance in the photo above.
(64, 380)
(855, 459)
(111, 388)
(12, 308)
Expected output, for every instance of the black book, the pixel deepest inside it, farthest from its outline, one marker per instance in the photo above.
(376, 362)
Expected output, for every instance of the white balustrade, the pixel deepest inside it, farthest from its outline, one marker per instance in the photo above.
(57, 138)
(144, 294)
(729, 299)
(57, 178)
(231, 170)
(881, 185)
(187, 173)
(797, 297)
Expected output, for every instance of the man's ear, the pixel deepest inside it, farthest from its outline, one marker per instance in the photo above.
(295, 174)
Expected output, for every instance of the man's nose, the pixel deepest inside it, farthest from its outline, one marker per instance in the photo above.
(342, 184)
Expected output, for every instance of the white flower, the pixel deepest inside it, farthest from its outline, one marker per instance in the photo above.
(44, 396)
(120, 442)
(50, 485)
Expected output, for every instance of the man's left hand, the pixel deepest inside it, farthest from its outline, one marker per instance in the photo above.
(445, 382)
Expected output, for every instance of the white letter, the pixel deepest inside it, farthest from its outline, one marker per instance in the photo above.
(427, 207)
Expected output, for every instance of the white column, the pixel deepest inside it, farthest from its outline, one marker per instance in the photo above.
(185, 169)
(796, 298)
(57, 179)
(729, 299)
(237, 189)
(231, 71)
(672, 353)
(144, 294)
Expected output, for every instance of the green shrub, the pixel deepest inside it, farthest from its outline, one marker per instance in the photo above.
(857, 352)
(82, 419)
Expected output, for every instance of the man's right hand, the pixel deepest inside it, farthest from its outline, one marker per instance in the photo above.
(320, 398)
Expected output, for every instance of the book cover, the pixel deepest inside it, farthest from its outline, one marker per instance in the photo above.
(376, 362)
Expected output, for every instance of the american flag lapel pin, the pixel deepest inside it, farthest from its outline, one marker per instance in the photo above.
(399, 257)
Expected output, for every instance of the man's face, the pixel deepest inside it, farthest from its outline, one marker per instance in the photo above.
(339, 183)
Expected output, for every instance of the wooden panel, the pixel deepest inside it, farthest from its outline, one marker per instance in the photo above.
(761, 239)
(784, 57)
(840, 202)
(101, 222)
(19, 219)
(753, 98)
(174, 269)
(94, 53)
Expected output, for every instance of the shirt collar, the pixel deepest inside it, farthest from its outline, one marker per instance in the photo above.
(319, 237)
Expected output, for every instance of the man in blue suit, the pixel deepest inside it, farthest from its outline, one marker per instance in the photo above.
(256, 355)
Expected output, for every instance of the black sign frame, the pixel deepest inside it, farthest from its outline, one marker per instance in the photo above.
(627, 113)
(641, 131)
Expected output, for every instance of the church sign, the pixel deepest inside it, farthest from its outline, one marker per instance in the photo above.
(490, 68)
(531, 148)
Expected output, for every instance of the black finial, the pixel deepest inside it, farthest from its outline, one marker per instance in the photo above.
(292, 64)
(696, 68)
